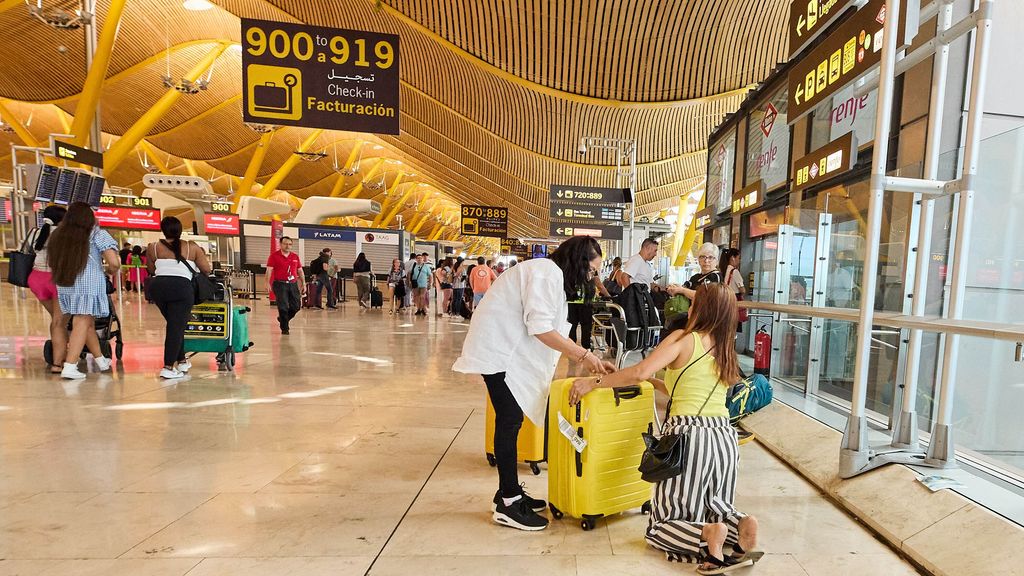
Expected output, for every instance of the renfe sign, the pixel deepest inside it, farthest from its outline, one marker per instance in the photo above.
(126, 218)
(221, 224)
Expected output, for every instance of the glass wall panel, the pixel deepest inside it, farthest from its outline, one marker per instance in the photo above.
(721, 175)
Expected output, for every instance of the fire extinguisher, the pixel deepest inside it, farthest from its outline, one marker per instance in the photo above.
(762, 351)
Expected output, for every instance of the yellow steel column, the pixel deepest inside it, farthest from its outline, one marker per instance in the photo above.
(390, 199)
(85, 109)
(288, 165)
(153, 157)
(397, 206)
(255, 163)
(190, 168)
(124, 145)
(691, 234)
(65, 122)
(677, 239)
(420, 216)
(354, 192)
(433, 233)
(19, 129)
(426, 218)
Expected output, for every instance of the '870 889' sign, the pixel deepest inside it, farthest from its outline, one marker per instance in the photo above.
(491, 221)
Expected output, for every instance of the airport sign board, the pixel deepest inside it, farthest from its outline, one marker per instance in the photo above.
(704, 218)
(808, 18)
(852, 49)
(73, 153)
(825, 163)
(318, 77)
(599, 231)
(589, 194)
(490, 221)
(748, 198)
(586, 211)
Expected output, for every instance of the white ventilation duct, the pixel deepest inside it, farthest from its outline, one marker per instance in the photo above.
(254, 208)
(316, 208)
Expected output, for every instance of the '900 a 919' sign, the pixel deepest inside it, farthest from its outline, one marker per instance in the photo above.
(299, 75)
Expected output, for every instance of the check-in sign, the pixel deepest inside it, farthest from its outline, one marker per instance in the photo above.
(490, 221)
(331, 78)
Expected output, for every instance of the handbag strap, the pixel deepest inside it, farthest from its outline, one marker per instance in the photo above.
(671, 396)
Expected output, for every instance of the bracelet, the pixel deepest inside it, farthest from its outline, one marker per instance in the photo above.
(582, 358)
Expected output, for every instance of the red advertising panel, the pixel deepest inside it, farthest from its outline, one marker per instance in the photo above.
(127, 218)
(226, 224)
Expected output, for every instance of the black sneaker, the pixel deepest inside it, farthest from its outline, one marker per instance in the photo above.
(519, 515)
(534, 504)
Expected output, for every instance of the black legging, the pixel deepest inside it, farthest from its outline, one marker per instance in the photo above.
(581, 315)
(508, 419)
(174, 297)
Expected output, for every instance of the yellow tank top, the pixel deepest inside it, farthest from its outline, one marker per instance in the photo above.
(695, 386)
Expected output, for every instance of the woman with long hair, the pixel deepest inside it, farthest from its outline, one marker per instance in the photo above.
(172, 262)
(77, 252)
(362, 275)
(396, 284)
(443, 280)
(40, 282)
(693, 516)
(514, 342)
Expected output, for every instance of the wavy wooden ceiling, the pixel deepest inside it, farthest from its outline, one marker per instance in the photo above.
(495, 93)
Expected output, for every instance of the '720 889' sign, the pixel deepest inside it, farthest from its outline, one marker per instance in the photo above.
(489, 221)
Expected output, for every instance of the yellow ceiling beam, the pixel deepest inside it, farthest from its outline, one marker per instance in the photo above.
(65, 120)
(691, 231)
(92, 89)
(117, 153)
(190, 168)
(398, 205)
(388, 200)
(420, 216)
(289, 164)
(354, 192)
(427, 216)
(6, 5)
(255, 163)
(151, 154)
(433, 233)
(20, 130)
(202, 116)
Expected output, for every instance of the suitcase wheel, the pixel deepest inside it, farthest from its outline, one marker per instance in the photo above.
(555, 512)
(646, 508)
(491, 460)
(534, 468)
(588, 523)
(48, 352)
(119, 349)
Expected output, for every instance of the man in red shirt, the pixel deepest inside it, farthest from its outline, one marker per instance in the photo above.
(285, 279)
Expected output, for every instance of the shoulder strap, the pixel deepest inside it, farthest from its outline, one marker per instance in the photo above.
(179, 258)
(671, 396)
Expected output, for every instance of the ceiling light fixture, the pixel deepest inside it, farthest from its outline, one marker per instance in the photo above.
(310, 156)
(196, 5)
(185, 86)
(58, 17)
(261, 128)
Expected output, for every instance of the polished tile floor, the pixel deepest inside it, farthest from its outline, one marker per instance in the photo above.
(348, 447)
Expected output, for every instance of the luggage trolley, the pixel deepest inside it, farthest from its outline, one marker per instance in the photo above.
(218, 326)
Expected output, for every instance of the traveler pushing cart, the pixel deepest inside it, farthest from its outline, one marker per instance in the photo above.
(218, 326)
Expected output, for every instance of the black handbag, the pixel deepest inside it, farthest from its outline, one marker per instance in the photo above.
(21, 263)
(665, 457)
(202, 286)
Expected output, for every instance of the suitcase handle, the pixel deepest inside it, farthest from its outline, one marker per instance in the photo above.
(626, 393)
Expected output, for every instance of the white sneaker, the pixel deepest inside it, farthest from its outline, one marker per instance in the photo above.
(170, 374)
(184, 367)
(71, 372)
(103, 363)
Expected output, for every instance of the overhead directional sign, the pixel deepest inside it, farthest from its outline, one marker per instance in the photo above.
(491, 221)
(73, 153)
(600, 231)
(807, 19)
(590, 194)
(825, 163)
(317, 77)
(581, 211)
(848, 52)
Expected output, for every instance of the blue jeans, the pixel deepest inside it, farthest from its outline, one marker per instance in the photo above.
(458, 300)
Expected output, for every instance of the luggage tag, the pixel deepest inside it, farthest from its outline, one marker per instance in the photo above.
(567, 430)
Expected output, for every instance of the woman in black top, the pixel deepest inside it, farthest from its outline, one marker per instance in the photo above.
(709, 273)
(363, 279)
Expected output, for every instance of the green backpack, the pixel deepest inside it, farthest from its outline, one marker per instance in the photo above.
(676, 305)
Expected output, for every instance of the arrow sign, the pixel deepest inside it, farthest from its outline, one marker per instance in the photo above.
(800, 26)
(799, 95)
(809, 18)
(559, 212)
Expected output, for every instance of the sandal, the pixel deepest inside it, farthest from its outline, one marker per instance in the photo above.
(741, 556)
(54, 369)
(710, 565)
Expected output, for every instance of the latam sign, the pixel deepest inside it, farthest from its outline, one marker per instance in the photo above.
(221, 224)
(126, 218)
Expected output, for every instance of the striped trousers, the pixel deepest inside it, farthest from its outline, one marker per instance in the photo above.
(703, 494)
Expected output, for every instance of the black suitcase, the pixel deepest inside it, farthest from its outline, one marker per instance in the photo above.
(376, 298)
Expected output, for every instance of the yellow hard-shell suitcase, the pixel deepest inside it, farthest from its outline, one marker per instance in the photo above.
(603, 479)
(531, 443)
